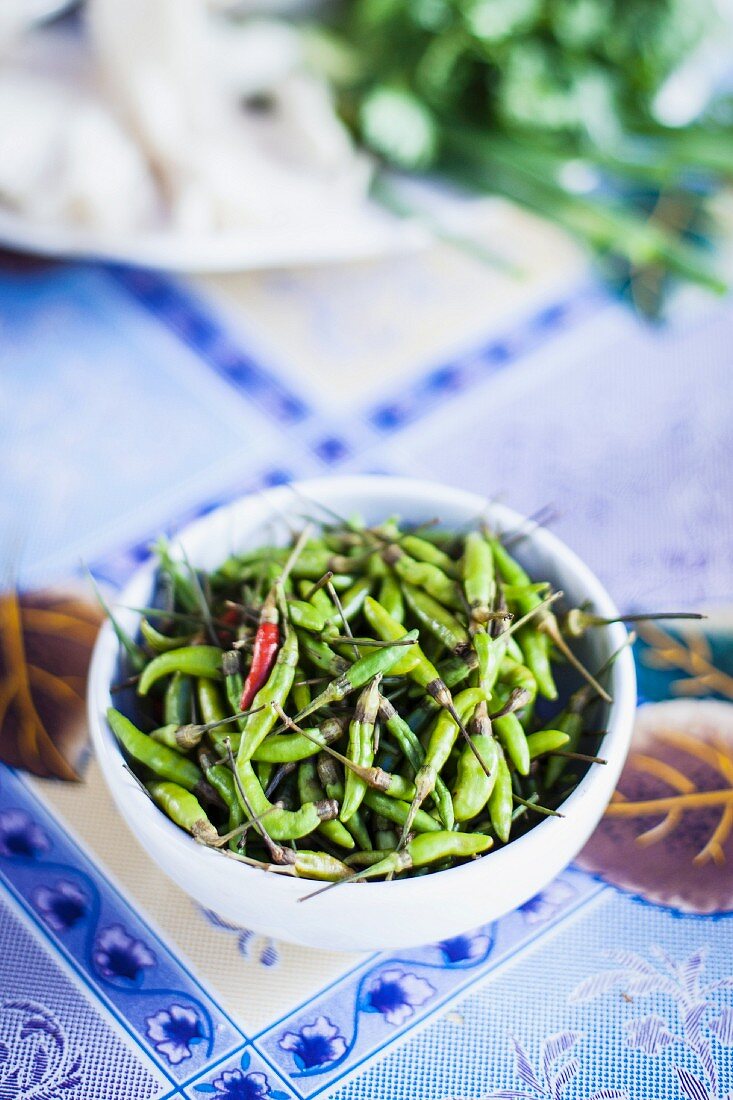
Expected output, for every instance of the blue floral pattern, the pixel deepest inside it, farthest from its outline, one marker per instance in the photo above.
(21, 836)
(117, 954)
(235, 1085)
(238, 1084)
(315, 1044)
(176, 1021)
(36, 1059)
(62, 906)
(548, 903)
(174, 1031)
(396, 993)
(465, 949)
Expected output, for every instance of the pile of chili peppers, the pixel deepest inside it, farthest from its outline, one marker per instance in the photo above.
(367, 702)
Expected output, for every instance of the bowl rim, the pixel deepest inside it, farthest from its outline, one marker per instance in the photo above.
(597, 781)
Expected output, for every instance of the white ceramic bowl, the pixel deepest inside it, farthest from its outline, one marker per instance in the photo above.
(361, 916)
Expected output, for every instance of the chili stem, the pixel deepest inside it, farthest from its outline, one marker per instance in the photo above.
(275, 850)
(536, 806)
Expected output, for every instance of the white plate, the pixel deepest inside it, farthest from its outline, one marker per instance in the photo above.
(340, 232)
(369, 235)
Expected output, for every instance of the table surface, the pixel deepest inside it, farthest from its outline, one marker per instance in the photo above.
(131, 402)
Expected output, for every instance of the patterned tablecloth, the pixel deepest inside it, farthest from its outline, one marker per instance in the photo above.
(130, 402)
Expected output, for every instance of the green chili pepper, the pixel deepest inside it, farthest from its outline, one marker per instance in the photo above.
(195, 660)
(212, 709)
(455, 671)
(184, 809)
(319, 866)
(158, 758)
(316, 559)
(233, 681)
(361, 747)
(511, 571)
(166, 735)
(211, 703)
(352, 601)
(178, 700)
(417, 667)
(222, 781)
(501, 801)
(536, 649)
(415, 754)
(444, 734)
(231, 569)
(301, 693)
(513, 675)
(281, 824)
(319, 598)
(356, 825)
(490, 652)
(360, 673)
(395, 810)
(367, 858)
(385, 837)
(436, 619)
(425, 551)
(342, 581)
(509, 730)
(389, 630)
(429, 848)
(320, 654)
(569, 722)
(398, 787)
(423, 575)
(332, 780)
(535, 644)
(390, 596)
(292, 747)
(478, 574)
(310, 790)
(473, 786)
(521, 593)
(305, 616)
(161, 643)
(544, 741)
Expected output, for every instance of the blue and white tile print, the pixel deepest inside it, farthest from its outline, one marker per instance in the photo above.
(244, 1076)
(389, 994)
(117, 956)
(126, 426)
(560, 1019)
(625, 1003)
(195, 324)
(643, 501)
(464, 372)
(55, 1041)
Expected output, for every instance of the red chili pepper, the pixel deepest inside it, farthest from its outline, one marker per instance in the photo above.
(264, 652)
